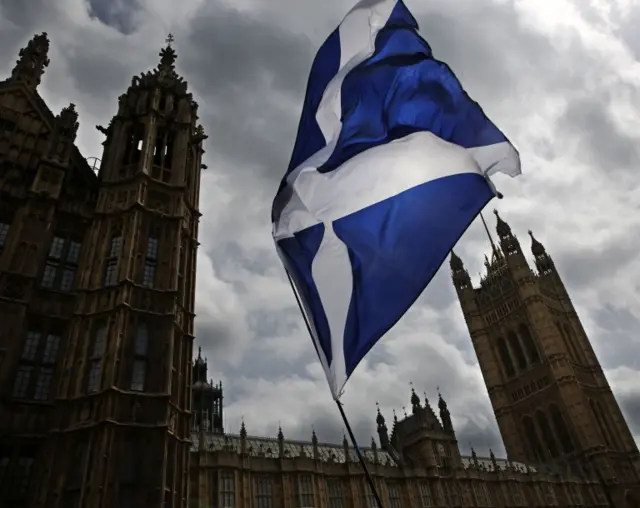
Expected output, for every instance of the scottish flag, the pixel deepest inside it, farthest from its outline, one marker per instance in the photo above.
(389, 168)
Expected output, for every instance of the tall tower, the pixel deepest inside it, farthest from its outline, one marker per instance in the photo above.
(550, 396)
(122, 435)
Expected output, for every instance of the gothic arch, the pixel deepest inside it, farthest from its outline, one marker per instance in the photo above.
(547, 434)
(529, 343)
(516, 347)
(571, 338)
(562, 431)
(505, 357)
(573, 355)
(602, 426)
(532, 438)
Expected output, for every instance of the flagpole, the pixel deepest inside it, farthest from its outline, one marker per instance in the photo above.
(370, 481)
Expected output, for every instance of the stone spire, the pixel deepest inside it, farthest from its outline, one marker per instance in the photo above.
(537, 249)
(415, 400)
(33, 60)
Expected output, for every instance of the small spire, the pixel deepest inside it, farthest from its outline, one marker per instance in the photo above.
(167, 56)
(379, 418)
(374, 446)
(243, 430)
(404, 410)
(280, 434)
(395, 417)
(314, 438)
(455, 262)
(537, 249)
(415, 400)
(442, 405)
(502, 227)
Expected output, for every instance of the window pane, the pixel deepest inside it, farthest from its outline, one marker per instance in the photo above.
(95, 375)
(116, 247)
(43, 384)
(21, 384)
(152, 248)
(67, 279)
(139, 374)
(110, 273)
(57, 246)
(4, 231)
(31, 346)
(100, 341)
(149, 276)
(49, 275)
(51, 349)
(73, 253)
(142, 340)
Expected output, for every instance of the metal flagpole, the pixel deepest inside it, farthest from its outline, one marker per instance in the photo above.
(486, 228)
(370, 481)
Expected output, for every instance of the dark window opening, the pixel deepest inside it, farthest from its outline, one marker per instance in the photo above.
(133, 145)
(547, 434)
(98, 347)
(529, 344)
(505, 356)
(561, 429)
(34, 377)
(532, 439)
(140, 350)
(61, 265)
(151, 259)
(115, 249)
(516, 347)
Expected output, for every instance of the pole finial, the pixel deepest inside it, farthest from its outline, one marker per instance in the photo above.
(169, 40)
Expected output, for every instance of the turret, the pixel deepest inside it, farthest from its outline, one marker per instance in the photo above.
(445, 416)
(155, 132)
(510, 247)
(32, 62)
(383, 433)
(206, 399)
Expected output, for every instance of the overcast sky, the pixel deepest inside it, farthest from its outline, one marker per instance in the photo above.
(560, 77)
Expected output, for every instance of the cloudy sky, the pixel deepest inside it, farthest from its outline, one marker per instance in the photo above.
(560, 77)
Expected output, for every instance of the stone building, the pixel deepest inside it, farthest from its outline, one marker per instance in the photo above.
(102, 406)
(97, 279)
(566, 440)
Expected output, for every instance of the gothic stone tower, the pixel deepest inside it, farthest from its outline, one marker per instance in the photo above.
(47, 201)
(550, 396)
(122, 426)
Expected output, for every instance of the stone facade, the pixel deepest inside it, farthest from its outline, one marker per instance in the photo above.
(97, 280)
(101, 404)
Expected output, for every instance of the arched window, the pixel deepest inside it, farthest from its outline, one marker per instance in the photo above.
(529, 344)
(561, 429)
(547, 434)
(506, 358)
(571, 337)
(609, 426)
(571, 350)
(601, 424)
(516, 347)
(532, 439)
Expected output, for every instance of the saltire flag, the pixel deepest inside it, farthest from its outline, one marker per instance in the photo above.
(389, 168)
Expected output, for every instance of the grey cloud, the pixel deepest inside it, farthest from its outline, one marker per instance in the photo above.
(601, 141)
(630, 406)
(586, 266)
(119, 14)
(249, 74)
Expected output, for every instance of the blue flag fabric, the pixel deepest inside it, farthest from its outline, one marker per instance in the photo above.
(388, 170)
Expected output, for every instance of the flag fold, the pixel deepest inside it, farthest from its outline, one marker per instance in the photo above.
(389, 168)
